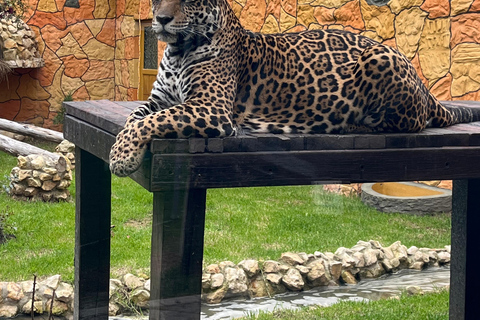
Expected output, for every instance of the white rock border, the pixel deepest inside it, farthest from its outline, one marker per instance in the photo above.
(225, 280)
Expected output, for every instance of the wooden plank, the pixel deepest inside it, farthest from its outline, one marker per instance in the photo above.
(99, 143)
(177, 253)
(272, 142)
(305, 167)
(463, 128)
(329, 142)
(249, 144)
(455, 138)
(215, 145)
(196, 145)
(103, 114)
(92, 237)
(296, 141)
(465, 279)
(130, 104)
(370, 141)
(432, 137)
(232, 144)
(170, 146)
(404, 140)
(88, 137)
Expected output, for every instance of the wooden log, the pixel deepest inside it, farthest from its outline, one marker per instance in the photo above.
(31, 130)
(18, 148)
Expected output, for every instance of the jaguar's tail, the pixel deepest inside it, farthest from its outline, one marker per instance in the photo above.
(449, 113)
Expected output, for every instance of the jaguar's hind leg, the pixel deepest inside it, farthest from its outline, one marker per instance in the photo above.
(392, 96)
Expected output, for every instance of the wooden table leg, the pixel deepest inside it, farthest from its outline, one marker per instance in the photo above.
(92, 237)
(177, 253)
(464, 276)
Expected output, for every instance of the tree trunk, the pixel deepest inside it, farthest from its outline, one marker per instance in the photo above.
(32, 131)
(18, 148)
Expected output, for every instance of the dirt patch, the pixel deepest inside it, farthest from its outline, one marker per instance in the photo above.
(139, 224)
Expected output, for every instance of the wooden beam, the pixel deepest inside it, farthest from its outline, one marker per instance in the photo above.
(31, 131)
(92, 237)
(177, 253)
(244, 169)
(465, 279)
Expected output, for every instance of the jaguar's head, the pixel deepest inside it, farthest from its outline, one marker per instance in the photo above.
(176, 21)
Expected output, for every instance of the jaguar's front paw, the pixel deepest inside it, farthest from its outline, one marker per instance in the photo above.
(126, 154)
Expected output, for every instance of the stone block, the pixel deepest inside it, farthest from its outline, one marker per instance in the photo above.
(100, 89)
(99, 69)
(8, 310)
(350, 15)
(465, 68)
(270, 26)
(217, 280)
(293, 280)
(70, 46)
(434, 49)
(270, 266)
(141, 298)
(215, 296)
(317, 274)
(132, 282)
(250, 267)
(378, 19)
(460, 6)
(291, 258)
(409, 25)
(75, 68)
(436, 8)
(14, 291)
(96, 50)
(237, 280)
(107, 34)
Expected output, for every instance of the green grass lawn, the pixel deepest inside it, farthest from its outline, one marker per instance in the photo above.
(257, 223)
(431, 306)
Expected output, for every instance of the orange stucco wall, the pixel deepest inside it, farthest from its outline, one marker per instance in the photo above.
(90, 52)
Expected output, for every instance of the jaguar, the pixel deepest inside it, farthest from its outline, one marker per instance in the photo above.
(217, 79)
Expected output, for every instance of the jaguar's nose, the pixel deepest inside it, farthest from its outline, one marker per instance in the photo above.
(163, 20)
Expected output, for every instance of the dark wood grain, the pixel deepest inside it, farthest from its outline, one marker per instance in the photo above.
(215, 145)
(196, 145)
(464, 279)
(306, 167)
(177, 253)
(92, 237)
(88, 137)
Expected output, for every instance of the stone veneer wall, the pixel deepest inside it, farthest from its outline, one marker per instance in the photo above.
(92, 51)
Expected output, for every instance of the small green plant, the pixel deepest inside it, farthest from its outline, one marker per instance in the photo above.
(61, 114)
(6, 229)
(124, 299)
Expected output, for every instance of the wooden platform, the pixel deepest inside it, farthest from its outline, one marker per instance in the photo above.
(179, 171)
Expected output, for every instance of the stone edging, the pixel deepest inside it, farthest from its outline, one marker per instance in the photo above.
(247, 279)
